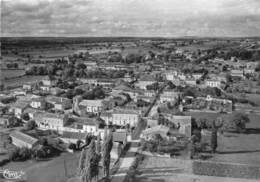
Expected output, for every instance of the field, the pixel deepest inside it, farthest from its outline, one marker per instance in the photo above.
(11, 73)
(58, 169)
(22, 80)
(156, 169)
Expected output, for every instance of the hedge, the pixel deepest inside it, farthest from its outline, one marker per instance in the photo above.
(3, 162)
(226, 170)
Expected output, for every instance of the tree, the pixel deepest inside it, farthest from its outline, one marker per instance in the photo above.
(30, 125)
(214, 133)
(214, 140)
(25, 116)
(81, 66)
(106, 149)
(98, 146)
(82, 159)
(92, 159)
(154, 86)
(72, 146)
(88, 139)
(239, 121)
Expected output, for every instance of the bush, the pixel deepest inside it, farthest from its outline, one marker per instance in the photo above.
(30, 125)
(72, 146)
(237, 123)
(20, 154)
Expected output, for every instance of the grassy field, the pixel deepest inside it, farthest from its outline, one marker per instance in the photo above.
(11, 73)
(58, 169)
(156, 169)
(236, 148)
(22, 80)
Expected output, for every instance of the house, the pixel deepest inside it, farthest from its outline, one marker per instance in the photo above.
(171, 75)
(144, 98)
(32, 112)
(21, 139)
(123, 117)
(4, 120)
(38, 103)
(59, 103)
(91, 81)
(55, 91)
(72, 137)
(27, 86)
(213, 83)
(197, 76)
(52, 121)
(18, 108)
(48, 82)
(122, 88)
(107, 117)
(92, 106)
(150, 133)
(184, 123)
(106, 83)
(91, 65)
(83, 125)
(237, 73)
(170, 96)
(45, 88)
(149, 93)
(120, 137)
(191, 81)
(144, 81)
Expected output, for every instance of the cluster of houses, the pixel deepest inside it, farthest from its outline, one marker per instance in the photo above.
(76, 117)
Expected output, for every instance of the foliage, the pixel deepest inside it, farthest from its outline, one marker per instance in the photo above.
(106, 149)
(96, 93)
(154, 86)
(19, 154)
(238, 122)
(30, 125)
(141, 125)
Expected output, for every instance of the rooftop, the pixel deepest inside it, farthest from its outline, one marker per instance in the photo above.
(24, 137)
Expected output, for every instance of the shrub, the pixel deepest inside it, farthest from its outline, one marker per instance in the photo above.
(30, 125)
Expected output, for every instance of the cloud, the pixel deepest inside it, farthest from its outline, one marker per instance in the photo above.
(130, 18)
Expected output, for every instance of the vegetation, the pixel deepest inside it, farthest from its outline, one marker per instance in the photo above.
(237, 123)
(106, 149)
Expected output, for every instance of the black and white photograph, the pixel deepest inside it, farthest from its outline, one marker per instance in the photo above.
(130, 91)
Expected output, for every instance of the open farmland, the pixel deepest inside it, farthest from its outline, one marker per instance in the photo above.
(58, 169)
(7, 74)
(21, 80)
(156, 169)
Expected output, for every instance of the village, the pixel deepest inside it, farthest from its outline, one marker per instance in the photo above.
(165, 102)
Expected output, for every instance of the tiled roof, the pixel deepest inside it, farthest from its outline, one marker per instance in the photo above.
(119, 136)
(24, 137)
(91, 103)
(73, 135)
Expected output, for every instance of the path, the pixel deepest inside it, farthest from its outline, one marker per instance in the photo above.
(125, 162)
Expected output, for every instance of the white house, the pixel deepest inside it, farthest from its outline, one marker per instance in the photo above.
(38, 103)
(169, 96)
(144, 81)
(125, 116)
(51, 121)
(213, 83)
(92, 106)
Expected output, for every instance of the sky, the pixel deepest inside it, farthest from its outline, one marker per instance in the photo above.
(160, 18)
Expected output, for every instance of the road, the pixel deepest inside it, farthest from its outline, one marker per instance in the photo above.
(125, 162)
